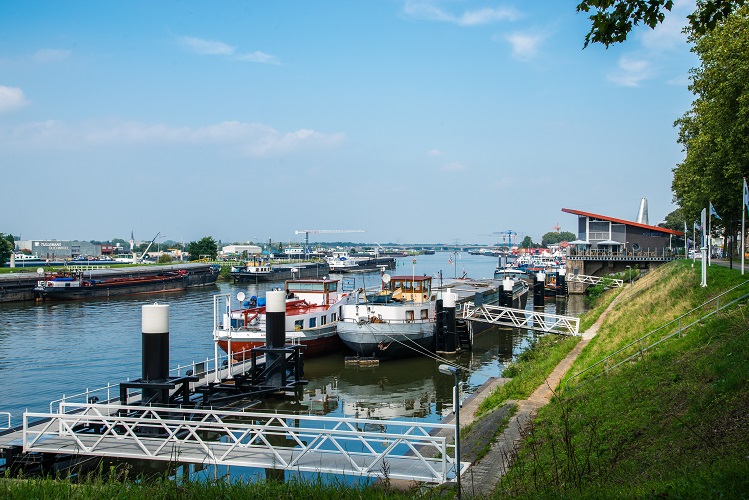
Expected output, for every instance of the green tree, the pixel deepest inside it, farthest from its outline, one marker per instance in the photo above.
(715, 131)
(612, 20)
(552, 238)
(527, 242)
(165, 258)
(7, 245)
(206, 246)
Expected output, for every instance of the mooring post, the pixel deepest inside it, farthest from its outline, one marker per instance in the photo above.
(155, 347)
(275, 332)
(448, 301)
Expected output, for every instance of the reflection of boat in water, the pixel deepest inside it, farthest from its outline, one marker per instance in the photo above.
(312, 308)
(398, 389)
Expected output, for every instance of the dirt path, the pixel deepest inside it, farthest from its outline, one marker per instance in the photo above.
(481, 478)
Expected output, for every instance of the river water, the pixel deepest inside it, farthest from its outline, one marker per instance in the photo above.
(55, 348)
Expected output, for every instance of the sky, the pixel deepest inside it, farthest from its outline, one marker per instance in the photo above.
(415, 121)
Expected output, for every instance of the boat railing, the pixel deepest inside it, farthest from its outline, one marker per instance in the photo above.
(5, 414)
(110, 392)
(90, 267)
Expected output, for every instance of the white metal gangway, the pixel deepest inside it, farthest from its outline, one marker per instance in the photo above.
(594, 280)
(521, 318)
(354, 447)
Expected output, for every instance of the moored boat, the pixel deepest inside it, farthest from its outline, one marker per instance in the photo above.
(312, 312)
(397, 321)
(255, 270)
(73, 285)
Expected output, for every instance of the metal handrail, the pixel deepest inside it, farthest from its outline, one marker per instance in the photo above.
(7, 414)
(522, 318)
(640, 342)
(399, 449)
(594, 280)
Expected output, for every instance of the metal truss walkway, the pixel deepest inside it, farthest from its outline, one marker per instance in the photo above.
(347, 446)
(594, 280)
(521, 318)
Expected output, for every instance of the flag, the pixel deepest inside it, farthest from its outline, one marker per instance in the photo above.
(697, 227)
(450, 260)
(746, 194)
(713, 212)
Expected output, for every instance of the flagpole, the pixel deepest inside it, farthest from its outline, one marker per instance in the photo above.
(709, 234)
(694, 244)
(704, 248)
(686, 236)
(743, 212)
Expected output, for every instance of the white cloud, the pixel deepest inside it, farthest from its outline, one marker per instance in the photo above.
(454, 166)
(630, 72)
(259, 57)
(429, 10)
(435, 152)
(11, 98)
(246, 139)
(206, 47)
(216, 48)
(668, 35)
(524, 46)
(50, 55)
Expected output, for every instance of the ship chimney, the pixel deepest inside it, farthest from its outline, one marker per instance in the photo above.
(642, 214)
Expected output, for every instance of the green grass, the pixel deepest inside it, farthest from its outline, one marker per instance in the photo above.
(671, 425)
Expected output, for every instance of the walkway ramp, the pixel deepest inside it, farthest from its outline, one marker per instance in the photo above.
(352, 447)
(594, 280)
(522, 318)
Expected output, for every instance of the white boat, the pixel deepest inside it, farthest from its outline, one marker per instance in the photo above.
(312, 312)
(395, 322)
(341, 262)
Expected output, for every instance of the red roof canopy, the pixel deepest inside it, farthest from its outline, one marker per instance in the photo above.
(622, 221)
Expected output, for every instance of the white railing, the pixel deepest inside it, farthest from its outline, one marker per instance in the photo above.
(7, 414)
(396, 449)
(110, 392)
(521, 318)
(594, 280)
(675, 327)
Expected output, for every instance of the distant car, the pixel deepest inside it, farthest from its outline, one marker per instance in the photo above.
(693, 255)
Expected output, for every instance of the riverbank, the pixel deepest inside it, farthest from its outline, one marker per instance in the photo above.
(671, 424)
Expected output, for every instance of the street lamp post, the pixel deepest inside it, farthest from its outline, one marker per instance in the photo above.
(453, 370)
(629, 271)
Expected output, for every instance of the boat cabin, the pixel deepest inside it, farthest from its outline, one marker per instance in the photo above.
(409, 288)
(321, 292)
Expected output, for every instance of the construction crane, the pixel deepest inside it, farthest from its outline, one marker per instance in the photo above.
(508, 237)
(307, 231)
(557, 228)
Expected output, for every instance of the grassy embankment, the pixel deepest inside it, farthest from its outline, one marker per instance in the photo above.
(672, 424)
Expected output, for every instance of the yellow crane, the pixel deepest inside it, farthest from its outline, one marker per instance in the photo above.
(308, 231)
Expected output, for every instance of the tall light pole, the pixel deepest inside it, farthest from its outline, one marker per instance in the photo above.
(453, 370)
(629, 271)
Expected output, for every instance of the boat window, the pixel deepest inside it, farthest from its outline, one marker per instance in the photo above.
(298, 324)
(312, 322)
(409, 316)
(333, 286)
(425, 314)
(333, 317)
(406, 286)
(417, 286)
(323, 320)
(427, 287)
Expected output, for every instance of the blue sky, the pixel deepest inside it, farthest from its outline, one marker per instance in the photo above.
(416, 121)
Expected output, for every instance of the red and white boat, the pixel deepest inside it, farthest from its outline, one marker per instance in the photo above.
(313, 307)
